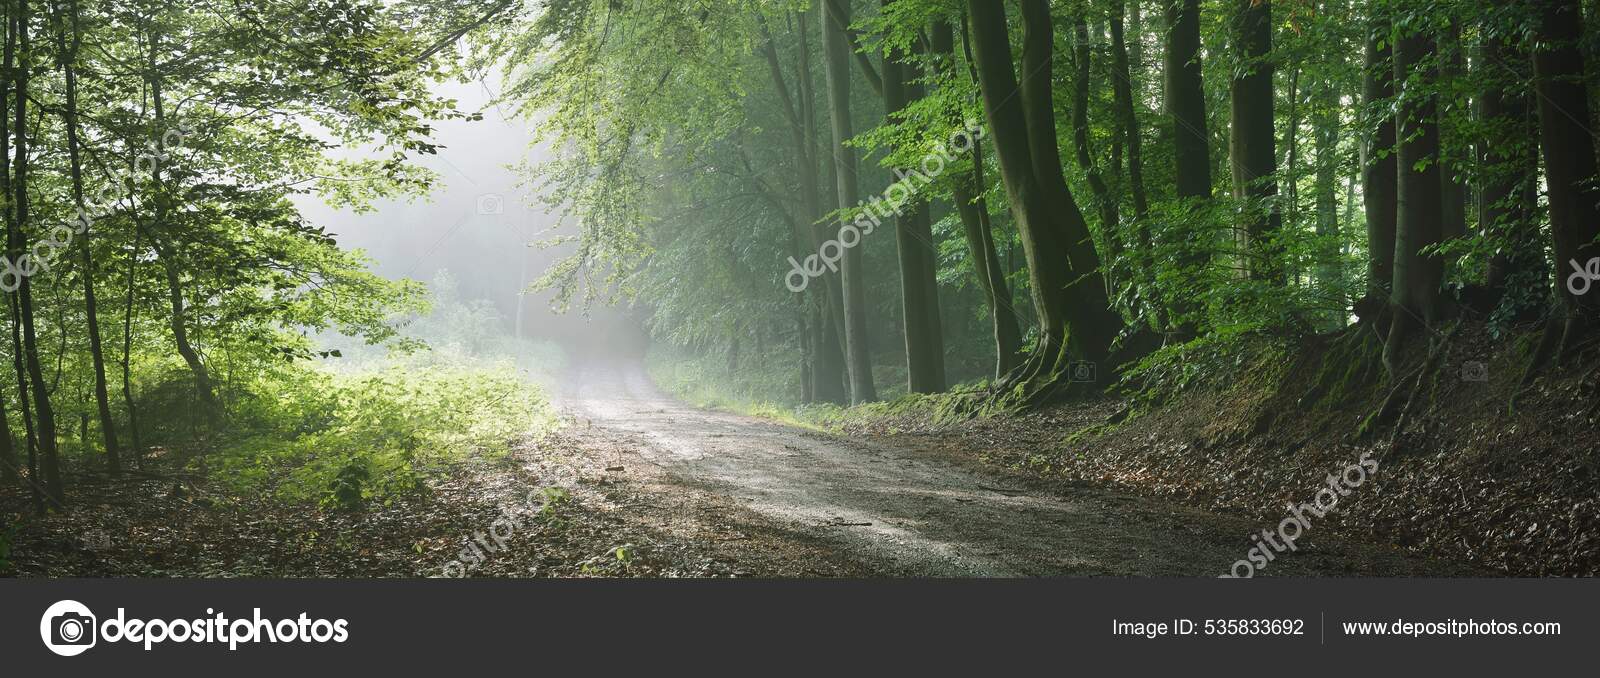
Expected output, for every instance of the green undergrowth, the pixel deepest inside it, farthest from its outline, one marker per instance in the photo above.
(707, 381)
(371, 423)
(348, 438)
(1211, 362)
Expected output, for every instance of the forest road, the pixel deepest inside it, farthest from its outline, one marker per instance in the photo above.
(905, 514)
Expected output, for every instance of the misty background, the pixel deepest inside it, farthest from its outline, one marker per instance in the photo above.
(481, 225)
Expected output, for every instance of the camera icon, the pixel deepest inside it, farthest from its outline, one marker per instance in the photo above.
(72, 628)
(1081, 371)
(1473, 370)
(67, 628)
(491, 203)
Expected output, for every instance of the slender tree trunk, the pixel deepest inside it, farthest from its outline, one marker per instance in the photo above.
(807, 357)
(1379, 173)
(827, 371)
(1191, 144)
(1452, 156)
(1291, 170)
(1417, 276)
(1186, 100)
(979, 232)
(180, 336)
(108, 425)
(1104, 202)
(49, 458)
(1128, 120)
(1330, 276)
(180, 333)
(10, 465)
(836, 47)
(24, 404)
(973, 209)
(1252, 152)
(1508, 162)
(12, 471)
(1131, 137)
(919, 284)
(127, 357)
(1569, 159)
(1136, 29)
(1346, 247)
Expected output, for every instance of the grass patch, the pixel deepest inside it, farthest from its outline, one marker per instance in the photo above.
(345, 439)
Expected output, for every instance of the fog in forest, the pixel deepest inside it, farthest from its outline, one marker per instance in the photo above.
(482, 224)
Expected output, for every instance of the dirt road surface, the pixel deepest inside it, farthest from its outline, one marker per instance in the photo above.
(902, 513)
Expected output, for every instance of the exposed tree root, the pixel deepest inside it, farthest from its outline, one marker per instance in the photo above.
(1389, 411)
(1044, 378)
(1396, 409)
(1549, 342)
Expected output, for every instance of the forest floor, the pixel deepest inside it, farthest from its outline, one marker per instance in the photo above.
(1495, 477)
(616, 516)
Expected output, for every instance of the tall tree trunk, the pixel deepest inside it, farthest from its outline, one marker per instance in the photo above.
(1345, 244)
(979, 232)
(1252, 152)
(1104, 202)
(1136, 29)
(180, 333)
(1508, 162)
(1330, 277)
(108, 425)
(828, 373)
(1131, 137)
(1075, 317)
(1379, 173)
(1191, 144)
(1186, 100)
(1417, 276)
(1569, 159)
(127, 357)
(1128, 120)
(1092, 323)
(967, 193)
(24, 404)
(10, 465)
(49, 457)
(1452, 155)
(807, 357)
(1291, 140)
(827, 367)
(13, 464)
(919, 284)
(836, 47)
